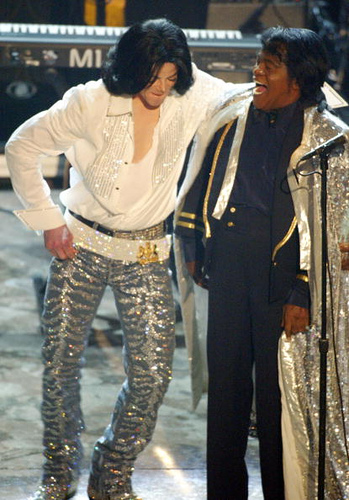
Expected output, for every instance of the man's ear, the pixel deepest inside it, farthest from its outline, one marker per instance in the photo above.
(295, 85)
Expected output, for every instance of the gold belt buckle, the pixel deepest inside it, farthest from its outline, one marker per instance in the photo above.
(147, 253)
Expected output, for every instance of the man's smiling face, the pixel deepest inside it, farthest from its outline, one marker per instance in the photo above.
(274, 87)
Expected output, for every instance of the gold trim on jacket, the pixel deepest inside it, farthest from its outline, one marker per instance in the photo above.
(197, 223)
(285, 238)
(212, 172)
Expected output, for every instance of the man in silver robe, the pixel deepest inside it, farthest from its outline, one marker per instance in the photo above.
(249, 227)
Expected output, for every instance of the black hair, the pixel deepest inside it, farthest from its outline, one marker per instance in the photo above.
(305, 56)
(141, 51)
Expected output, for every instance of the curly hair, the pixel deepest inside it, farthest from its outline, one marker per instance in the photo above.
(141, 51)
(305, 56)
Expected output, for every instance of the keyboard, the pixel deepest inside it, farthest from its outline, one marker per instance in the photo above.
(71, 46)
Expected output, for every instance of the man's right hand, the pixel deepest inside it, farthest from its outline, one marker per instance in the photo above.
(59, 242)
(344, 248)
(195, 271)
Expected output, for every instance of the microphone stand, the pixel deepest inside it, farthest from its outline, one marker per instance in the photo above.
(323, 342)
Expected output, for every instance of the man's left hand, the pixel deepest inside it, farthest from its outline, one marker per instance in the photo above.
(295, 319)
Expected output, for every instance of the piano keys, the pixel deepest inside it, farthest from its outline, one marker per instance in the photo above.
(71, 46)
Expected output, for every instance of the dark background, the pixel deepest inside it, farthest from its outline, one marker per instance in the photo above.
(328, 18)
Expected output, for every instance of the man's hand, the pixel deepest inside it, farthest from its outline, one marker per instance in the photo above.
(295, 319)
(194, 269)
(344, 248)
(59, 242)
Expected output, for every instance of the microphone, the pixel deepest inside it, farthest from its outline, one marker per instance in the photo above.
(326, 147)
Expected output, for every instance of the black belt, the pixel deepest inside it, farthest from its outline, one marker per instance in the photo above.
(150, 233)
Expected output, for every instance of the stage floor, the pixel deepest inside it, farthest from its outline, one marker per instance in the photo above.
(171, 467)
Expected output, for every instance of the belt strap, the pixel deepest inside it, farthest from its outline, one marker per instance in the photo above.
(150, 233)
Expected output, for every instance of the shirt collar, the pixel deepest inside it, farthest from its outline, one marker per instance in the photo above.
(119, 105)
(276, 117)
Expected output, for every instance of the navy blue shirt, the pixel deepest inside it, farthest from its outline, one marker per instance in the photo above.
(259, 157)
(254, 183)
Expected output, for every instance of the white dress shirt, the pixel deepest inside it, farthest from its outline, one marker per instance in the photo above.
(95, 131)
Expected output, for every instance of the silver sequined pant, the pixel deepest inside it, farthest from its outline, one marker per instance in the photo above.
(144, 301)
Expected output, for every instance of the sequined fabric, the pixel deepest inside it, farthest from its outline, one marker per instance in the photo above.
(171, 147)
(110, 480)
(101, 175)
(54, 491)
(123, 249)
(144, 300)
(300, 372)
(300, 358)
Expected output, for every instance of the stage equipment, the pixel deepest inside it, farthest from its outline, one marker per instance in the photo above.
(226, 52)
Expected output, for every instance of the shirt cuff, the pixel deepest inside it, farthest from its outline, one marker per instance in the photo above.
(41, 219)
(193, 250)
(300, 295)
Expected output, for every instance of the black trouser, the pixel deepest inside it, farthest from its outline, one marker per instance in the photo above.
(243, 330)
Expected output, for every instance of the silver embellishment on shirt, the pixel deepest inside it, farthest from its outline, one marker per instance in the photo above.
(101, 176)
(171, 145)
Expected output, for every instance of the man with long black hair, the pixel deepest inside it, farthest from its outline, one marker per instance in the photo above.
(126, 138)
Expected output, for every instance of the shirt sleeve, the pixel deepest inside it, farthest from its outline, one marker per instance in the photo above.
(300, 294)
(48, 133)
(190, 226)
(215, 91)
